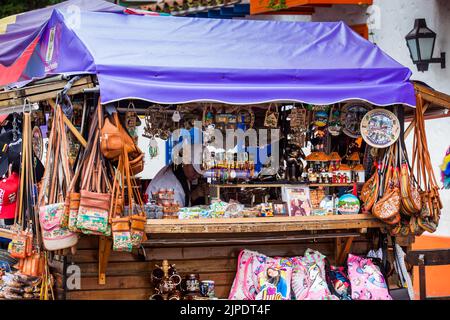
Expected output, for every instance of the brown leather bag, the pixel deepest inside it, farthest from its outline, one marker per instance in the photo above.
(111, 140)
(137, 164)
(95, 200)
(431, 203)
(388, 207)
(369, 192)
(115, 140)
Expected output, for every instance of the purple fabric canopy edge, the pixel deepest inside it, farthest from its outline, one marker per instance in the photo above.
(28, 25)
(172, 60)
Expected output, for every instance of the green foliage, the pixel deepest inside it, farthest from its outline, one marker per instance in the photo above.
(10, 7)
(275, 4)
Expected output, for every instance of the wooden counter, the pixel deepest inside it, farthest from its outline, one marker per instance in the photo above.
(257, 225)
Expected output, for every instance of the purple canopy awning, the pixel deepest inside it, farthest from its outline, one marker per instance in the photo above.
(22, 29)
(177, 60)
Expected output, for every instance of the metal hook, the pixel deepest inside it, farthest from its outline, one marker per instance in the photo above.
(26, 103)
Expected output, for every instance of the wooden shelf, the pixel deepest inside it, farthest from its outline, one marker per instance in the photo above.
(266, 224)
(280, 185)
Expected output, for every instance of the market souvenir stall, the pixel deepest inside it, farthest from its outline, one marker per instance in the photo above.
(230, 74)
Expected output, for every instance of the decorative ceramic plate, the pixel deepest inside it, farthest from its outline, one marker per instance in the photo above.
(38, 143)
(380, 128)
(348, 204)
(351, 116)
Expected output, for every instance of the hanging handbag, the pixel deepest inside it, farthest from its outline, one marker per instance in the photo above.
(93, 214)
(137, 220)
(137, 164)
(409, 189)
(388, 207)
(17, 248)
(73, 195)
(111, 140)
(54, 236)
(95, 199)
(271, 118)
(120, 225)
(369, 192)
(430, 199)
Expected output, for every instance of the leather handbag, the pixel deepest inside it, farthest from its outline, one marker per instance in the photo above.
(95, 196)
(73, 194)
(137, 220)
(387, 208)
(111, 140)
(137, 164)
(115, 139)
(369, 192)
(411, 200)
(409, 189)
(120, 224)
(431, 204)
(51, 212)
(93, 213)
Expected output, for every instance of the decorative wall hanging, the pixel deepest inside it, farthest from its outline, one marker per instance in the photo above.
(334, 123)
(298, 126)
(351, 116)
(246, 117)
(380, 128)
(132, 121)
(38, 142)
(157, 123)
(271, 118)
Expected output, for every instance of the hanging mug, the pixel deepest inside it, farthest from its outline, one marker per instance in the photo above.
(157, 275)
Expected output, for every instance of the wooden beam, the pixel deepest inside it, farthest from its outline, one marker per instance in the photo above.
(337, 250)
(263, 224)
(345, 251)
(104, 251)
(422, 278)
(433, 96)
(250, 240)
(41, 92)
(69, 124)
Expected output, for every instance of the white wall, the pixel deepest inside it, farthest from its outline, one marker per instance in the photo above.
(391, 20)
(151, 166)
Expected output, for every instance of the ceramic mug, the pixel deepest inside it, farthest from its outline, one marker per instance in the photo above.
(157, 276)
(191, 284)
(176, 279)
(207, 288)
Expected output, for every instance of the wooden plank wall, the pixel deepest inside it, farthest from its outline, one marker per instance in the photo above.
(128, 275)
